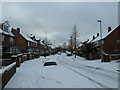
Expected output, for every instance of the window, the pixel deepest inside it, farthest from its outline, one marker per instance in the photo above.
(0, 50)
(118, 41)
(102, 41)
(11, 49)
(3, 37)
(28, 43)
(11, 40)
(5, 28)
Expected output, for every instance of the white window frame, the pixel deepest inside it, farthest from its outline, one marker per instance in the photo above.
(11, 40)
(28, 43)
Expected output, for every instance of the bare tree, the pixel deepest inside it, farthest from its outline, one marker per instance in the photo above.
(64, 45)
(74, 42)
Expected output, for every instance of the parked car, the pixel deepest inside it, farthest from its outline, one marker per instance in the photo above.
(59, 53)
(50, 63)
(69, 53)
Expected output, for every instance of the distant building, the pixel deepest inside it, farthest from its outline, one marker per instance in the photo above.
(39, 45)
(8, 40)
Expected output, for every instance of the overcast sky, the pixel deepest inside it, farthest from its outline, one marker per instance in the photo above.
(56, 20)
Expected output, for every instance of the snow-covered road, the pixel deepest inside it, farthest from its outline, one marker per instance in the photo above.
(68, 73)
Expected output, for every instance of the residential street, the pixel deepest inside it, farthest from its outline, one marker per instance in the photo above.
(68, 73)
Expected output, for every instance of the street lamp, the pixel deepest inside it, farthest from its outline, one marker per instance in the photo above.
(101, 38)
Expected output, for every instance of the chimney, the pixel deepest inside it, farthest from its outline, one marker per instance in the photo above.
(109, 29)
(18, 30)
(30, 35)
(97, 34)
(93, 37)
(12, 29)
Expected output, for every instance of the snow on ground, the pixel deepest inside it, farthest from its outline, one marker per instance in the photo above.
(68, 73)
(104, 74)
(6, 68)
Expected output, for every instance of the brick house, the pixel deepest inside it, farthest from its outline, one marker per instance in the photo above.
(111, 43)
(8, 40)
(38, 48)
(110, 46)
(24, 43)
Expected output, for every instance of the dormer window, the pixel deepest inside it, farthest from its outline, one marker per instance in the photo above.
(6, 26)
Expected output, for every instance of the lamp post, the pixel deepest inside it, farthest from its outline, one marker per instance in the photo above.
(101, 38)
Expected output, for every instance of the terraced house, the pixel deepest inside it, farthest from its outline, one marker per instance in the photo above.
(110, 46)
(39, 46)
(24, 43)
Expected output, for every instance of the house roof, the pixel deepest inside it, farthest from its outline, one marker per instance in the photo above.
(105, 35)
(27, 37)
(7, 33)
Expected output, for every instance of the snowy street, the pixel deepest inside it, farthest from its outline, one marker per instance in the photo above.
(69, 72)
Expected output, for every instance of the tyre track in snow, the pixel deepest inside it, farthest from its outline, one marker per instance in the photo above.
(96, 68)
(69, 67)
(90, 68)
(83, 75)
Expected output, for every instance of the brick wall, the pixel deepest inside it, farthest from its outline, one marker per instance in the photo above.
(110, 42)
(21, 42)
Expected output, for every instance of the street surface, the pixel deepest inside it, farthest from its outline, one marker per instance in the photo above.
(68, 73)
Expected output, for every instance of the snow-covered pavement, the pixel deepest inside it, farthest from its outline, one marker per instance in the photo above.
(68, 73)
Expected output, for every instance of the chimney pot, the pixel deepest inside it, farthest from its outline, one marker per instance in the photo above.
(109, 29)
(18, 30)
(12, 29)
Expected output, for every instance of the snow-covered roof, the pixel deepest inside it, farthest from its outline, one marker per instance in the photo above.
(27, 37)
(31, 35)
(7, 33)
(103, 35)
(11, 34)
(97, 39)
(52, 46)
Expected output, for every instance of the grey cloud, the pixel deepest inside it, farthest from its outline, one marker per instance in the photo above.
(58, 19)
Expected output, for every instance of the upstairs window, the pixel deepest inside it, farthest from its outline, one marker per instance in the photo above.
(11, 40)
(28, 43)
(5, 28)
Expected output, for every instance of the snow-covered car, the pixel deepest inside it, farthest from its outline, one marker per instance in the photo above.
(59, 53)
(69, 53)
(50, 63)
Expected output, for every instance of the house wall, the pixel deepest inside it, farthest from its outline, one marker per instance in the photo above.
(21, 43)
(6, 41)
(110, 45)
